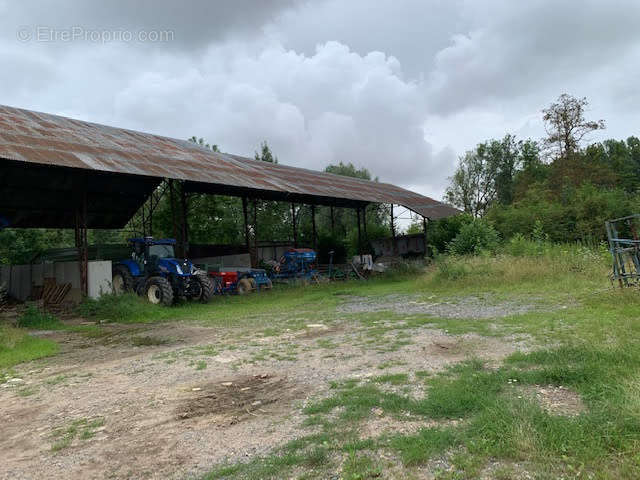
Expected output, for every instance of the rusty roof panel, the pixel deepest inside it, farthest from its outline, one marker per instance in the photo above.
(53, 140)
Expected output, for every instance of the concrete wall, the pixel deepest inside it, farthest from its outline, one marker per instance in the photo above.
(20, 278)
(268, 252)
(404, 244)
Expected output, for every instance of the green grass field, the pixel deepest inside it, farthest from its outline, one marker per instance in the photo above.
(478, 418)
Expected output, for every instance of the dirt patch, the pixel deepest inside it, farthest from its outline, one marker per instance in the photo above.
(211, 395)
(239, 397)
(317, 330)
(556, 400)
(387, 425)
(465, 307)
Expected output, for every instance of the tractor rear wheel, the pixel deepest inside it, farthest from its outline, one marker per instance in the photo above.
(244, 286)
(207, 287)
(158, 291)
(121, 280)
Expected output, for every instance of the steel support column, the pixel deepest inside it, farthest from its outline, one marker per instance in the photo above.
(254, 257)
(359, 234)
(185, 222)
(81, 243)
(424, 231)
(314, 233)
(295, 227)
(364, 225)
(172, 200)
(333, 221)
(393, 232)
(245, 216)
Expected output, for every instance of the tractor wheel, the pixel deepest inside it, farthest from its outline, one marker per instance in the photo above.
(159, 291)
(121, 280)
(207, 288)
(244, 286)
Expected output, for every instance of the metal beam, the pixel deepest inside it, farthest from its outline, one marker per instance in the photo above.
(185, 222)
(314, 233)
(245, 216)
(424, 230)
(254, 257)
(295, 227)
(393, 232)
(359, 234)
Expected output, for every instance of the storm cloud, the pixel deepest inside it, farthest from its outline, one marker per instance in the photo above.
(399, 87)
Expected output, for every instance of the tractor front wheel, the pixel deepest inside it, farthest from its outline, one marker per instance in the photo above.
(158, 291)
(207, 288)
(121, 280)
(244, 286)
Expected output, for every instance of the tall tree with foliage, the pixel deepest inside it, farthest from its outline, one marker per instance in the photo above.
(265, 154)
(567, 126)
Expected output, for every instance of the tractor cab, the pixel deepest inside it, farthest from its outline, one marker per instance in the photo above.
(152, 254)
(154, 271)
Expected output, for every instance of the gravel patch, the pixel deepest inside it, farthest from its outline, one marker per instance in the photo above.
(477, 307)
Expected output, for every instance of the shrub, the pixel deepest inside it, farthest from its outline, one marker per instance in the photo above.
(474, 238)
(450, 269)
(441, 232)
(32, 317)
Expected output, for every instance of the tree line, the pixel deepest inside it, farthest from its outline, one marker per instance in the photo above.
(561, 185)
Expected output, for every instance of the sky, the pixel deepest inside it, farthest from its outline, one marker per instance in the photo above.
(400, 87)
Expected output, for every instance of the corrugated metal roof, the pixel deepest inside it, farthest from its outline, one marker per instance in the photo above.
(47, 139)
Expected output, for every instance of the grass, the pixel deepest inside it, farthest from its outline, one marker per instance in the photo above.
(81, 428)
(16, 347)
(478, 419)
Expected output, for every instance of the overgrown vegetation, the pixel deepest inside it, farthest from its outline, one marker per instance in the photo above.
(559, 184)
(16, 346)
(482, 418)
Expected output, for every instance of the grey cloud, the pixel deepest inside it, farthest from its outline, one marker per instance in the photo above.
(398, 87)
(195, 24)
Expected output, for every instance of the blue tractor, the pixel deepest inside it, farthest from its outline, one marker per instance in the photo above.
(154, 272)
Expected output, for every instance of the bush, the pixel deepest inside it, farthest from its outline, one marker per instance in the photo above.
(326, 243)
(440, 232)
(450, 269)
(32, 317)
(118, 307)
(474, 238)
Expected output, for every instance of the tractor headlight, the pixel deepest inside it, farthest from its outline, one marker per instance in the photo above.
(178, 269)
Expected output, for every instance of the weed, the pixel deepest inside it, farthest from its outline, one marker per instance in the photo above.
(35, 318)
(149, 341)
(392, 378)
(81, 428)
(16, 346)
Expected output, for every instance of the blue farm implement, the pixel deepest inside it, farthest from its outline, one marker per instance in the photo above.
(153, 271)
(296, 264)
(240, 281)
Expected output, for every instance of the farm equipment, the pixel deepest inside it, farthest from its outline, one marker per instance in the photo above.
(154, 271)
(241, 281)
(624, 245)
(296, 263)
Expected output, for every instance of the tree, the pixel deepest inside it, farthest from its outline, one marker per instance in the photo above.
(202, 143)
(504, 158)
(491, 173)
(349, 170)
(566, 125)
(265, 154)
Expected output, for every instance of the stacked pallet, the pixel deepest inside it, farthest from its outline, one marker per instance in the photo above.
(4, 295)
(53, 294)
